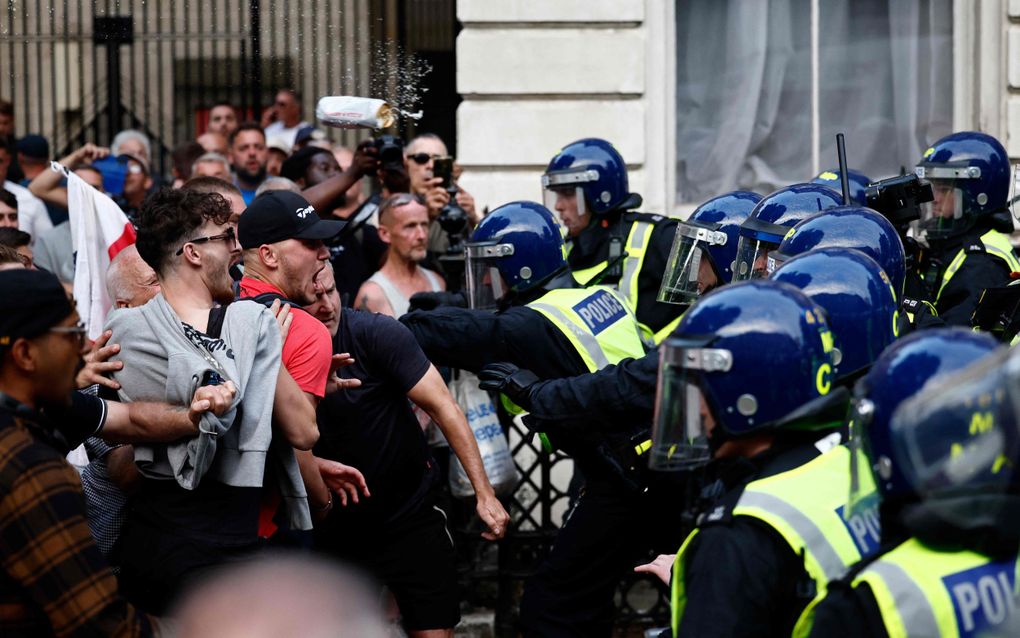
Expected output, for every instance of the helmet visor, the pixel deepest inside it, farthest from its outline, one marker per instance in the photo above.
(485, 285)
(957, 441)
(562, 191)
(757, 240)
(689, 270)
(683, 417)
(864, 474)
(945, 215)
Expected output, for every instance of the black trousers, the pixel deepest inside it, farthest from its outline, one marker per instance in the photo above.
(610, 531)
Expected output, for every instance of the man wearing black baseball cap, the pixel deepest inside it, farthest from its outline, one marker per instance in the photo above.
(281, 237)
(62, 586)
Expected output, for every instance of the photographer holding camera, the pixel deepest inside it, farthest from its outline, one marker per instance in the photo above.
(447, 203)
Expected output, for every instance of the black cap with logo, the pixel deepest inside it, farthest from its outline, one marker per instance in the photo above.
(280, 215)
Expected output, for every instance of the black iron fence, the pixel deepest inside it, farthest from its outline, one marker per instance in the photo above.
(79, 71)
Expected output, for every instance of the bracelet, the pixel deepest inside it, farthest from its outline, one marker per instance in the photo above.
(328, 506)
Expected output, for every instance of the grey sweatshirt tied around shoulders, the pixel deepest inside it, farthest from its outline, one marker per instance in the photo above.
(162, 364)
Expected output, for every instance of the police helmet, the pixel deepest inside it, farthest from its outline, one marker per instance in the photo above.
(770, 220)
(515, 248)
(711, 234)
(853, 227)
(858, 183)
(858, 301)
(592, 170)
(957, 444)
(743, 358)
(970, 175)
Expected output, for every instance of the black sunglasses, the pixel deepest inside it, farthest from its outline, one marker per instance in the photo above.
(423, 158)
(227, 235)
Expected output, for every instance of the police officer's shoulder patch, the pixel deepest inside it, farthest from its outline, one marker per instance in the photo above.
(650, 218)
(975, 247)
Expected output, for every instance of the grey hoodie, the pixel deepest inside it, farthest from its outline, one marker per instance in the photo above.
(165, 360)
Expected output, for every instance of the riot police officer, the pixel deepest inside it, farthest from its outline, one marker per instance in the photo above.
(949, 537)
(771, 219)
(966, 226)
(543, 322)
(586, 184)
(700, 261)
(746, 387)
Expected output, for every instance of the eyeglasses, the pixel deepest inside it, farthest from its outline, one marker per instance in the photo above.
(78, 330)
(423, 158)
(228, 235)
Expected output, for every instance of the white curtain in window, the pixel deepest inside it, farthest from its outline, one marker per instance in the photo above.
(744, 89)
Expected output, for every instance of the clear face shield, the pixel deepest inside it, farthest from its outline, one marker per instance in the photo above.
(757, 240)
(689, 272)
(959, 440)
(945, 214)
(563, 194)
(863, 470)
(683, 417)
(485, 284)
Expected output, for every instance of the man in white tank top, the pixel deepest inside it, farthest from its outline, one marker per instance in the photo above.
(404, 225)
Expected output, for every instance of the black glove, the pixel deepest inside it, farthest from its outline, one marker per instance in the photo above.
(432, 300)
(512, 381)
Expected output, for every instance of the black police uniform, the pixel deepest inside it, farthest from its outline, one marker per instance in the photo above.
(608, 530)
(979, 270)
(592, 247)
(741, 577)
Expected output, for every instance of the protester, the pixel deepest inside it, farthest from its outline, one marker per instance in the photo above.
(283, 118)
(222, 119)
(213, 142)
(32, 215)
(403, 225)
(8, 209)
(248, 157)
(184, 158)
(278, 152)
(20, 241)
(211, 165)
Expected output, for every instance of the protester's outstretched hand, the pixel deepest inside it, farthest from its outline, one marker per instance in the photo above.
(283, 317)
(495, 517)
(336, 382)
(212, 398)
(662, 567)
(98, 365)
(343, 480)
(366, 159)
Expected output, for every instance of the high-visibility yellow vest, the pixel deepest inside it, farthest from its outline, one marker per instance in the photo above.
(996, 244)
(596, 321)
(924, 592)
(806, 506)
(635, 248)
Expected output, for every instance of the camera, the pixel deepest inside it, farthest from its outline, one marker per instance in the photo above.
(390, 149)
(452, 219)
(899, 199)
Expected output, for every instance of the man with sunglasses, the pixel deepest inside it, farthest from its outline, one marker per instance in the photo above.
(199, 501)
(420, 155)
(54, 579)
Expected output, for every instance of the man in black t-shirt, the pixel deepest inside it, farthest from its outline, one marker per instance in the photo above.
(398, 534)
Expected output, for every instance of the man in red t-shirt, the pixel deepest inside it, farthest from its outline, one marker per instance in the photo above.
(282, 237)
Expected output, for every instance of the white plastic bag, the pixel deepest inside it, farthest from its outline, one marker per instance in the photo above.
(492, 444)
(345, 111)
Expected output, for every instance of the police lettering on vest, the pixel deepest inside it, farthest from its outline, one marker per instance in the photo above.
(599, 311)
(983, 597)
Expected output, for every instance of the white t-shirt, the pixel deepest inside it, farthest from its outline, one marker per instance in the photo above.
(32, 215)
(278, 130)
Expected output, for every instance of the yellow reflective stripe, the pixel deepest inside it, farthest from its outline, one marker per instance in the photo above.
(667, 330)
(910, 607)
(643, 447)
(637, 247)
(585, 342)
(584, 275)
(677, 589)
(996, 244)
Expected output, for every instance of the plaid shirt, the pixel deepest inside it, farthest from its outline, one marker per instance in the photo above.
(54, 580)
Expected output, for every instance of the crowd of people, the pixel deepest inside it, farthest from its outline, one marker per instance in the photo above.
(802, 401)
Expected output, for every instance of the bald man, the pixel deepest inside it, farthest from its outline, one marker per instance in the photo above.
(214, 143)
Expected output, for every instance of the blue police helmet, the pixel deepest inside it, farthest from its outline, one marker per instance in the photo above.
(857, 298)
(975, 163)
(537, 244)
(858, 183)
(597, 168)
(853, 227)
(725, 213)
(900, 373)
(780, 348)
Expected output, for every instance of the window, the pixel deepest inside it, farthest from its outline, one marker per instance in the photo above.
(764, 86)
